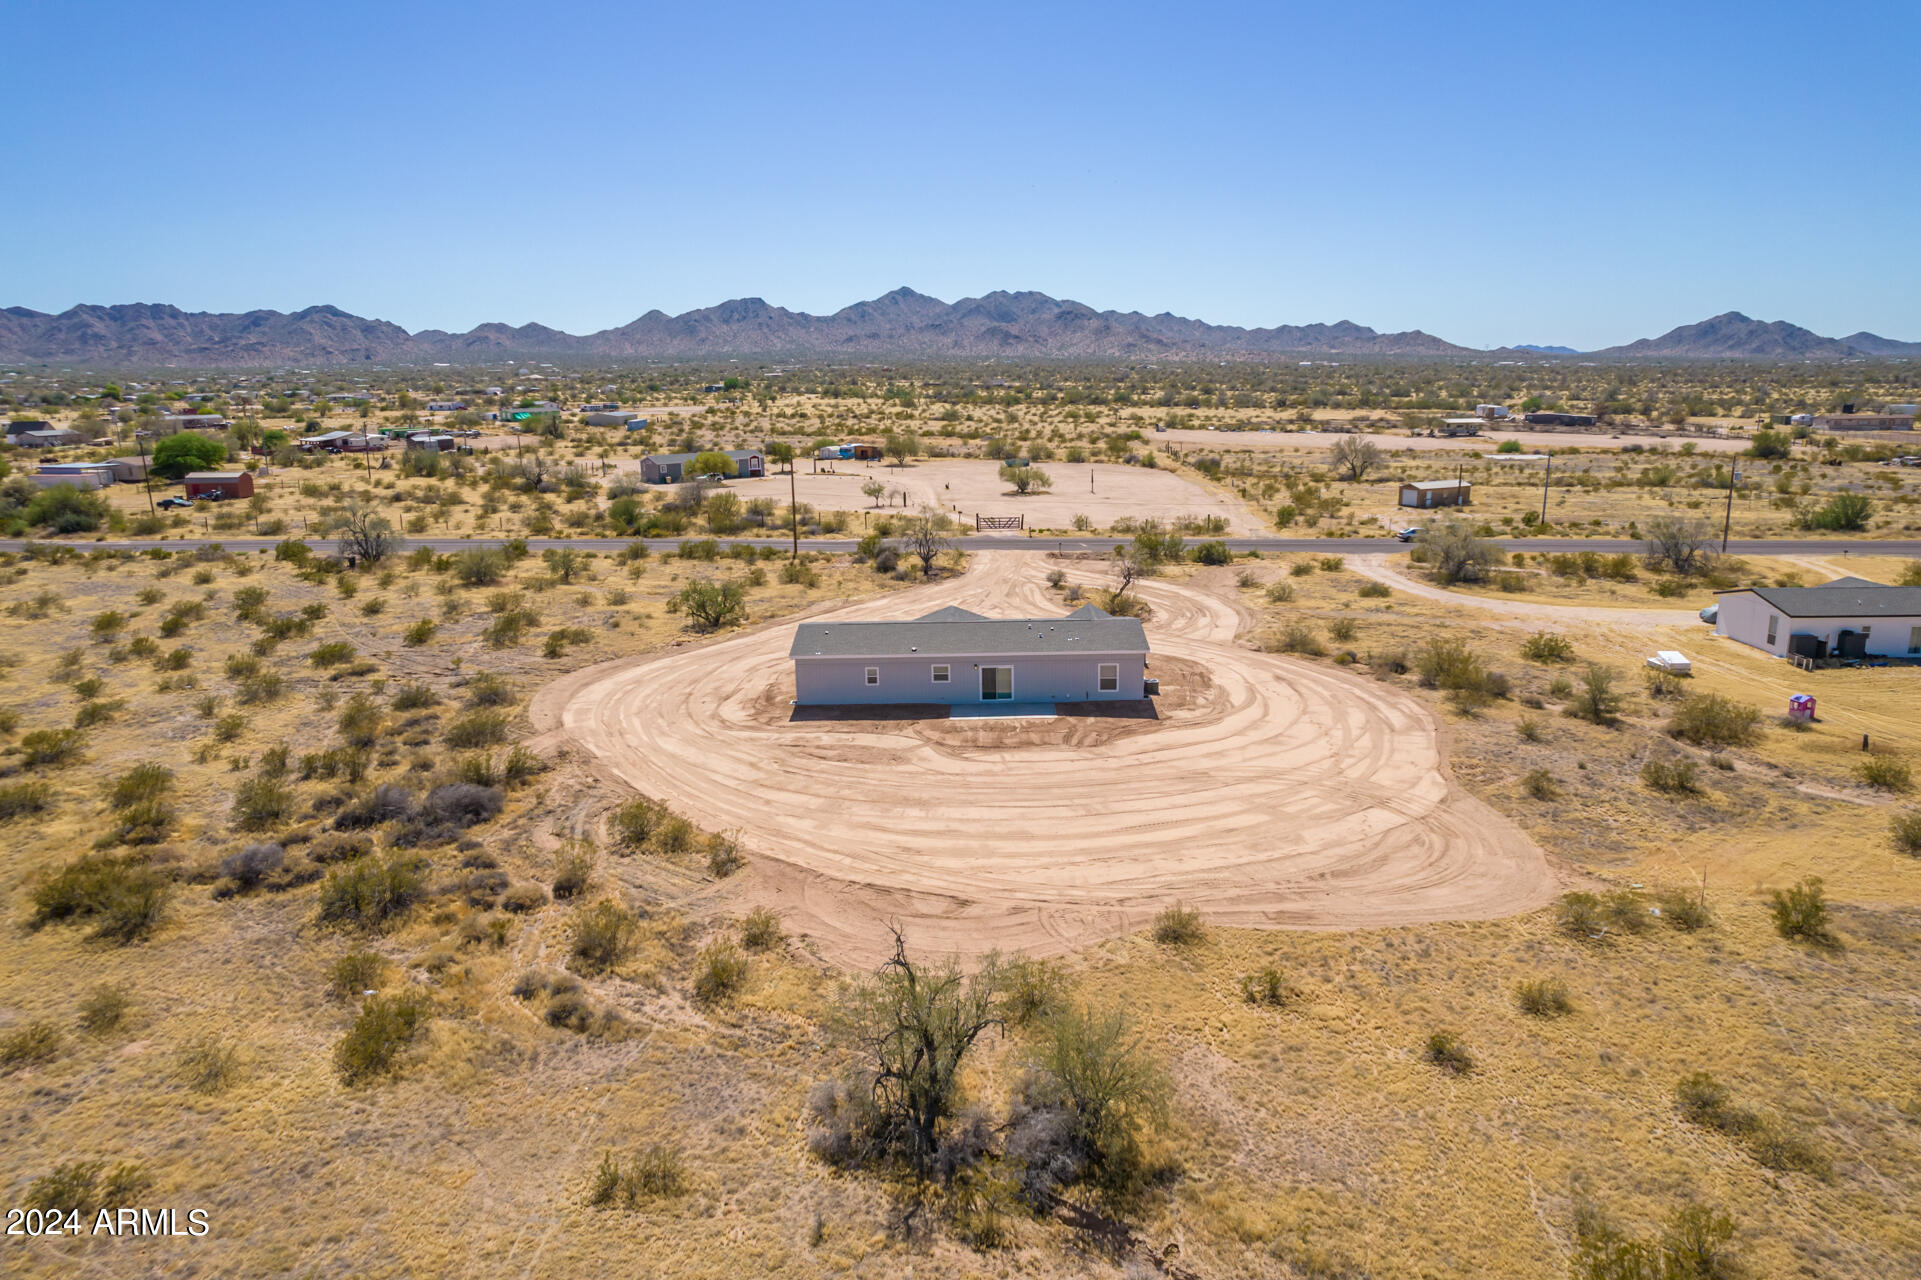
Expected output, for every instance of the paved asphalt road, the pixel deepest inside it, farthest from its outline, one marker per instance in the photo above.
(1329, 546)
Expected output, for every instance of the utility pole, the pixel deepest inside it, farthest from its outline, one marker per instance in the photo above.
(1544, 479)
(146, 477)
(793, 507)
(1734, 474)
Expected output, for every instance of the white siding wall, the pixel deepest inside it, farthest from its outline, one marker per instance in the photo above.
(1048, 678)
(1744, 617)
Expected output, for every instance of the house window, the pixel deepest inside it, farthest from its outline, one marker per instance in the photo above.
(940, 673)
(1773, 622)
(873, 675)
(1110, 677)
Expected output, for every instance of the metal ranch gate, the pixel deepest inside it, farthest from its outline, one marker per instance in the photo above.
(999, 522)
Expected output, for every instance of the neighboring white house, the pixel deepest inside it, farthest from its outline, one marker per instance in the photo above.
(1846, 618)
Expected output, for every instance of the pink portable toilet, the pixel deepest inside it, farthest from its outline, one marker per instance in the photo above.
(1801, 707)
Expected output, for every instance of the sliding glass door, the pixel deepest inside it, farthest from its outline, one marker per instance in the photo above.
(997, 684)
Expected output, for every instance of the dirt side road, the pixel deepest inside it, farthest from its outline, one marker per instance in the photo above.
(1287, 796)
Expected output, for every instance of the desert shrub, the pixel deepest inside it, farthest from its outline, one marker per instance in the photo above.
(520, 765)
(372, 892)
(1708, 719)
(104, 1009)
(1684, 911)
(573, 872)
(1707, 1102)
(480, 566)
(414, 697)
(522, 898)
(1595, 699)
(1693, 1246)
(1094, 1069)
(1213, 553)
(603, 934)
(1905, 831)
(760, 930)
(462, 804)
(1373, 590)
(24, 799)
(260, 803)
(1268, 986)
(1341, 630)
(29, 1045)
(1178, 926)
(121, 895)
(1529, 728)
(1543, 997)
(253, 864)
(86, 1188)
(355, 973)
(1547, 646)
(142, 782)
(49, 748)
(334, 653)
(712, 605)
(483, 728)
(1885, 772)
(656, 1172)
(1280, 592)
(489, 691)
(266, 686)
(1298, 637)
(1801, 913)
(1672, 777)
(384, 1028)
(1579, 914)
(1540, 784)
(719, 971)
(1445, 1050)
(1776, 1145)
(723, 856)
(208, 1066)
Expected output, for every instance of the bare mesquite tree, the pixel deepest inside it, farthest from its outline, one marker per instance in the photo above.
(1678, 543)
(1457, 555)
(368, 537)
(914, 1023)
(1354, 456)
(925, 536)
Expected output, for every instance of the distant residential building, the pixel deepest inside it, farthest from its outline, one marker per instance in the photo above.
(1460, 426)
(81, 475)
(1491, 412)
(670, 468)
(1864, 422)
(219, 484)
(1556, 419)
(446, 406)
(50, 438)
(1436, 493)
(192, 421)
(609, 418)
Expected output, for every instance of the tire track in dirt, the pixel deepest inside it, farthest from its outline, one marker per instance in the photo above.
(1293, 796)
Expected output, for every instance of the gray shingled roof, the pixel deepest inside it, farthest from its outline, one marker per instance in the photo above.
(944, 633)
(1842, 598)
(736, 455)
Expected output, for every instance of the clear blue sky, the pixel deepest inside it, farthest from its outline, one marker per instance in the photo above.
(1540, 172)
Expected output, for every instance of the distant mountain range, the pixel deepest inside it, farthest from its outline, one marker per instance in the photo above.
(1538, 349)
(902, 325)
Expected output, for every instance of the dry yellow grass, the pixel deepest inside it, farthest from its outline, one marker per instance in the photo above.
(1313, 1136)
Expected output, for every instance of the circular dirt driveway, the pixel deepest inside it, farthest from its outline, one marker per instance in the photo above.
(1282, 794)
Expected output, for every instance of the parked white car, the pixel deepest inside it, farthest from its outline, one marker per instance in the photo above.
(1675, 664)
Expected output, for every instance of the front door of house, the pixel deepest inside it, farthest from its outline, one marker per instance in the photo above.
(997, 684)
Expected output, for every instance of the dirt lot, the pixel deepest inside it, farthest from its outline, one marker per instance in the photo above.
(1102, 491)
(1044, 846)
